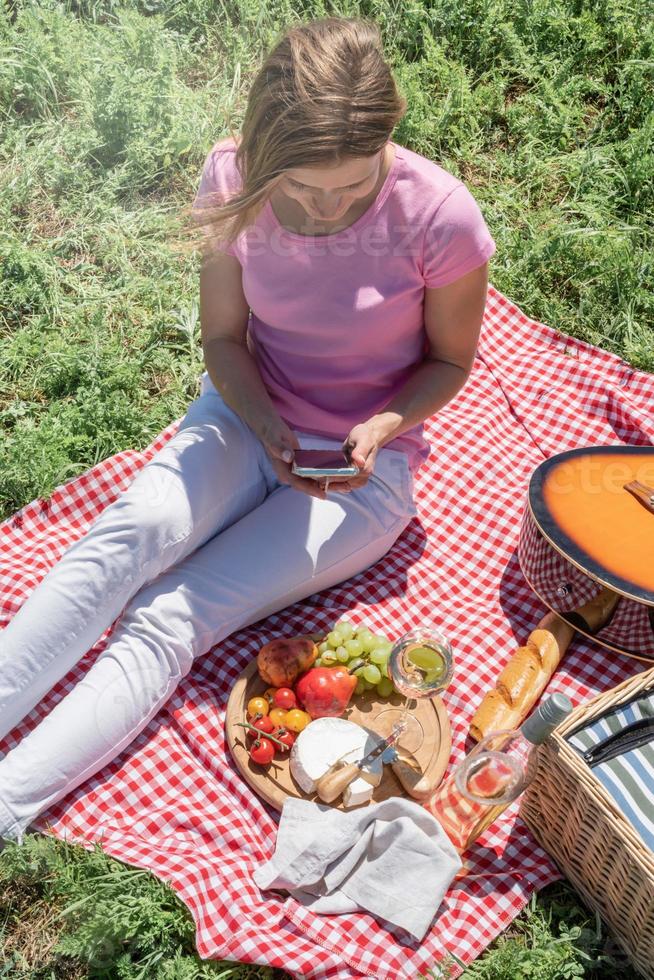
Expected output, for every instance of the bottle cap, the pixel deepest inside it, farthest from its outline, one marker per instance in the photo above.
(542, 722)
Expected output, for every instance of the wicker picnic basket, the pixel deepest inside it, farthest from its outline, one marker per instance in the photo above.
(596, 848)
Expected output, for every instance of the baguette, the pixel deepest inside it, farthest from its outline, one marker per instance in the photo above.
(530, 669)
(524, 678)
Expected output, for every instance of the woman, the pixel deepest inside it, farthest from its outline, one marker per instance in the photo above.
(364, 266)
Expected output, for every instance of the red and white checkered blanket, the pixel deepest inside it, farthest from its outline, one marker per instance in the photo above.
(174, 803)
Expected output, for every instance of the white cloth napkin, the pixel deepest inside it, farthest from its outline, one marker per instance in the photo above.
(392, 859)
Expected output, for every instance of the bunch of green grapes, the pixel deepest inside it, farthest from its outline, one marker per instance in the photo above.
(344, 644)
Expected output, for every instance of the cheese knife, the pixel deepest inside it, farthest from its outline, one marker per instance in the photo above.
(339, 776)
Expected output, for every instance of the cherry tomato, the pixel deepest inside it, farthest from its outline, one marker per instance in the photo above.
(263, 724)
(297, 720)
(285, 736)
(269, 694)
(285, 698)
(262, 751)
(278, 717)
(258, 706)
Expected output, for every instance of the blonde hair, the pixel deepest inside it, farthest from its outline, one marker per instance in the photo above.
(324, 94)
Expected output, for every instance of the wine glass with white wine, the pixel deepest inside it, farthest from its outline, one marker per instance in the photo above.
(420, 665)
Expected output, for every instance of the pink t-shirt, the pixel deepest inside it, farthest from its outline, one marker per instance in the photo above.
(336, 323)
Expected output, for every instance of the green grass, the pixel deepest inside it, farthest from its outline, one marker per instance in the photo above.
(544, 107)
(68, 913)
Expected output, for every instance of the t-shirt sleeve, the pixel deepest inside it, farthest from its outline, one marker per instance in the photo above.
(216, 186)
(456, 240)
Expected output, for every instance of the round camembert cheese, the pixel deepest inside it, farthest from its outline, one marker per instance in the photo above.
(324, 742)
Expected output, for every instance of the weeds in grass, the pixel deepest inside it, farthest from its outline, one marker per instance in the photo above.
(554, 939)
(70, 913)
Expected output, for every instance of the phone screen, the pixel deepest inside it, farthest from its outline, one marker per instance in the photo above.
(321, 458)
(316, 463)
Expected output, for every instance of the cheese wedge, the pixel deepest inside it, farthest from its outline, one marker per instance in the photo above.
(324, 742)
(361, 789)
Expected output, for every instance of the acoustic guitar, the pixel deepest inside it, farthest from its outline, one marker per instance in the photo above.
(586, 548)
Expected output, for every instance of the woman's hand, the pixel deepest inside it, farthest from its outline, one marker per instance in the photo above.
(362, 446)
(280, 441)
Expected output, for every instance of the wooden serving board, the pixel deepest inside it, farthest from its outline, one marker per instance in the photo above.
(274, 783)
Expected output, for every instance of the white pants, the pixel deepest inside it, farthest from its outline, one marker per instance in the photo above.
(204, 541)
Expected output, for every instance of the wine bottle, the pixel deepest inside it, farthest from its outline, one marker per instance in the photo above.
(495, 773)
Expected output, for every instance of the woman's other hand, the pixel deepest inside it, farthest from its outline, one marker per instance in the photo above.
(362, 446)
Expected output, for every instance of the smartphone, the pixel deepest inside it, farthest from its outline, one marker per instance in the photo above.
(322, 462)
